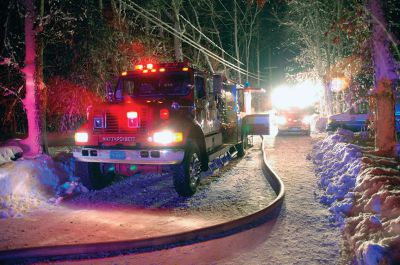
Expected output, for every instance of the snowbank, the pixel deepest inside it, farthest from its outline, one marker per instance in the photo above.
(363, 193)
(27, 184)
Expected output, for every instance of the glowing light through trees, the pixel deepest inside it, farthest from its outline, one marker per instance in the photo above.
(300, 95)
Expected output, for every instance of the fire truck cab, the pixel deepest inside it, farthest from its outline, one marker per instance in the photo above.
(168, 115)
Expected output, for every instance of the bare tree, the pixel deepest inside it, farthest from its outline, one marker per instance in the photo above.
(31, 99)
(176, 8)
(327, 34)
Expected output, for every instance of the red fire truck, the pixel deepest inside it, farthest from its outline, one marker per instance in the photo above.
(169, 115)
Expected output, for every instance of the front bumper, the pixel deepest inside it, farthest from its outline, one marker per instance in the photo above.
(140, 157)
(294, 128)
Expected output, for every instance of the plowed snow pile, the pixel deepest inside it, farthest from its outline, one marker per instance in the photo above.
(27, 184)
(363, 194)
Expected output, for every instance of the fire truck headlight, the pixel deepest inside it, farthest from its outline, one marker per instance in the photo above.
(81, 137)
(132, 115)
(98, 122)
(167, 137)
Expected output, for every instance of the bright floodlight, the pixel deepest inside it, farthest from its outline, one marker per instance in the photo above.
(301, 95)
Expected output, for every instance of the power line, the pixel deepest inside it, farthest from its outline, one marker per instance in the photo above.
(141, 11)
(207, 38)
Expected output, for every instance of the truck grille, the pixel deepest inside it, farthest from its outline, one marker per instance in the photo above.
(113, 124)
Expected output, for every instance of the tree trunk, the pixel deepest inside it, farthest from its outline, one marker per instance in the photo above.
(31, 98)
(40, 83)
(235, 22)
(176, 5)
(320, 68)
(385, 139)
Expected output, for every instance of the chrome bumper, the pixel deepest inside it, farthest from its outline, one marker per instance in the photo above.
(140, 157)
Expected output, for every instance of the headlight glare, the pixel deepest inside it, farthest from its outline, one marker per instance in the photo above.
(167, 137)
(81, 137)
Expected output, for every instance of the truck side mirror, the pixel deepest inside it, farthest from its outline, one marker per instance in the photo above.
(109, 91)
(200, 87)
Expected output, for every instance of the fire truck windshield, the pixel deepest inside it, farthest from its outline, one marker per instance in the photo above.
(155, 85)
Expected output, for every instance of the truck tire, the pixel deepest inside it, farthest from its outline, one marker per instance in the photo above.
(187, 174)
(92, 176)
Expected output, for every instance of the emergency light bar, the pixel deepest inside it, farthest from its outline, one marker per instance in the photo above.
(162, 67)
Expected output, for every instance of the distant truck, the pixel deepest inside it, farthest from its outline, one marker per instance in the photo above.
(169, 115)
(294, 121)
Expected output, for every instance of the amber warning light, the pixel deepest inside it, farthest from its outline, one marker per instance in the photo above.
(139, 67)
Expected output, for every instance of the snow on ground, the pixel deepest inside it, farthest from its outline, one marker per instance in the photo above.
(361, 190)
(142, 206)
(239, 189)
(29, 183)
(302, 234)
(363, 195)
(26, 184)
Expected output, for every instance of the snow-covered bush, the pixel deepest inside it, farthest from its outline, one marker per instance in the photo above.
(363, 194)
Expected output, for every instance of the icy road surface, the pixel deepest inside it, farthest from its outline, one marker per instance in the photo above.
(301, 234)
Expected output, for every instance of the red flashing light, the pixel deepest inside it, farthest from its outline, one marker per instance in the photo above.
(153, 70)
(124, 73)
(139, 67)
(185, 69)
(162, 70)
(145, 71)
(164, 114)
(149, 66)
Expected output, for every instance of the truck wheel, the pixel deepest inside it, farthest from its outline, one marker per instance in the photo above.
(92, 176)
(187, 174)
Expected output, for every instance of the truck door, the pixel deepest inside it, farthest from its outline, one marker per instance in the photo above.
(200, 100)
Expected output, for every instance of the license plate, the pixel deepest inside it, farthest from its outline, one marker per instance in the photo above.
(295, 129)
(120, 155)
